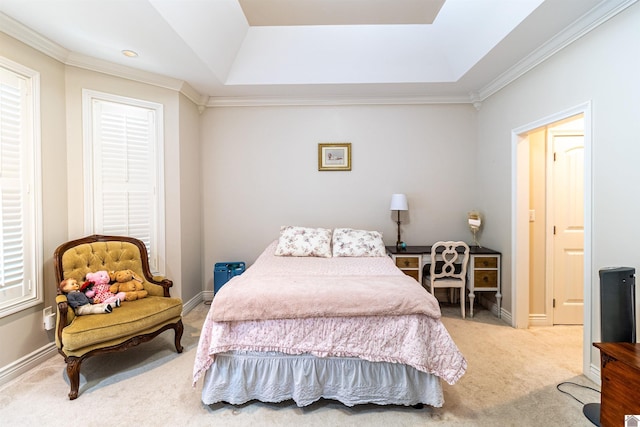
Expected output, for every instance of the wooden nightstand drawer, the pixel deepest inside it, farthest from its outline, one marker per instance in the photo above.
(413, 273)
(485, 279)
(485, 262)
(408, 262)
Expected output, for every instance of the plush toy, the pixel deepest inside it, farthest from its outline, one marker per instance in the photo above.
(82, 304)
(128, 282)
(100, 291)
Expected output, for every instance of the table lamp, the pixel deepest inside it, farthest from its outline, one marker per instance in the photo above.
(399, 203)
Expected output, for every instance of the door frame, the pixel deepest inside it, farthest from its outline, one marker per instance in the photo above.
(520, 224)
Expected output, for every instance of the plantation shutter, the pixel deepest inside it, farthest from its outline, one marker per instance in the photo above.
(125, 173)
(16, 280)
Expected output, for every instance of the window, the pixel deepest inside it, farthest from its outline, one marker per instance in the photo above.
(20, 192)
(123, 149)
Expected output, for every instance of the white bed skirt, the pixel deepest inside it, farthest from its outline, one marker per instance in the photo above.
(237, 377)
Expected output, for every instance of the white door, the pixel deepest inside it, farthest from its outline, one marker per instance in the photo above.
(568, 231)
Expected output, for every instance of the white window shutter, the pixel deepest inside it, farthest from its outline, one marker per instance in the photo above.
(17, 270)
(11, 209)
(124, 172)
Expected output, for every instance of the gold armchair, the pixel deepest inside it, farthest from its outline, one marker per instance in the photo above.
(134, 322)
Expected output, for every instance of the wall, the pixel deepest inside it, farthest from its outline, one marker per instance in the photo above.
(23, 333)
(602, 68)
(260, 171)
(190, 200)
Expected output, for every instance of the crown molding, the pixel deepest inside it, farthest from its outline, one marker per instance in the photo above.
(35, 40)
(29, 37)
(193, 95)
(122, 71)
(215, 101)
(589, 21)
(117, 70)
(598, 15)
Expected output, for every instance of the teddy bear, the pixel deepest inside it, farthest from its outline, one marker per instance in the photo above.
(128, 282)
(82, 304)
(100, 291)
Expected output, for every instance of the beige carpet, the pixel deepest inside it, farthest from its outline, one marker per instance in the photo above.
(511, 381)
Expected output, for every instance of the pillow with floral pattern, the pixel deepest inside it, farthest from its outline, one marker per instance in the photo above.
(304, 241)
(348, 242)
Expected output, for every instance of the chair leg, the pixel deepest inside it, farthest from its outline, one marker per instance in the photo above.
(431, 287)
(73, 372)
(462, 302)
(179, 328)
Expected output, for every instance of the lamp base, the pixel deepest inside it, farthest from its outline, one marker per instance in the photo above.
(592, 412)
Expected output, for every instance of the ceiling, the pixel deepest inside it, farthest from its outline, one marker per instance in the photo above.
(339, 12)
(242, 51)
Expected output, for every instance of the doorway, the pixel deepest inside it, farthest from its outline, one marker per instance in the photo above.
(522, 290)
(556, 223)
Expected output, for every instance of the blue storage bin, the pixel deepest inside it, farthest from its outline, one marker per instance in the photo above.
(224, 271)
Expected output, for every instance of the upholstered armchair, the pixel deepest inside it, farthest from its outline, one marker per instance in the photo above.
(133, 323)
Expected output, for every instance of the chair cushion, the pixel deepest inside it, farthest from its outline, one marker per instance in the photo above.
(130, 319)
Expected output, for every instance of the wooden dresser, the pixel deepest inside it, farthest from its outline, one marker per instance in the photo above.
(620, 376)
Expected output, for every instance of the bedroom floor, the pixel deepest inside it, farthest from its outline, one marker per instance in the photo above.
(511, 380)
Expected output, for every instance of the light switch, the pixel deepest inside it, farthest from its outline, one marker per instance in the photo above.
(532, 215)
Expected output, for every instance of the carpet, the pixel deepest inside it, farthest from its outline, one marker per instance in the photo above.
(511, 381)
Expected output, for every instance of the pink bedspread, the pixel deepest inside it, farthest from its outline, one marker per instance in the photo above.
(294, 297)
(416, 338)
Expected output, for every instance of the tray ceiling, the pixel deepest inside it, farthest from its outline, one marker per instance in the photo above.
(440, 50)
(339, 12)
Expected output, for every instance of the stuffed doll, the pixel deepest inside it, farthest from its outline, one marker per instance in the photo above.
(82, 304)
(128, 282)
(100, 291)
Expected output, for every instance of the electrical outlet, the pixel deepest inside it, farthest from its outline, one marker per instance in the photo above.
(48, 318)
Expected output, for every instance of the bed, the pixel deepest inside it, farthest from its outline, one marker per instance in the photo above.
(325, 314)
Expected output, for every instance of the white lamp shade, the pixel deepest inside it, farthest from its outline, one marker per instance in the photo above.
(399, 202)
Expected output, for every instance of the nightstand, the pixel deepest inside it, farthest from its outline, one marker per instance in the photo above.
(409, 260)
(484, 274)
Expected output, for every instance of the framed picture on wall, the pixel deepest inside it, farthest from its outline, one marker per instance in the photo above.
(334, 157)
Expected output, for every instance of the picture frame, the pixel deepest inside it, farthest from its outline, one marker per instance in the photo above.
(334, 156)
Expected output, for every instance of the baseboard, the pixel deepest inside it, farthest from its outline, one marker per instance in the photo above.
(492, 306)
(506, 316)
(26, 363)
(207, 295)
(539, 320)
(594, 373)
(192, 303)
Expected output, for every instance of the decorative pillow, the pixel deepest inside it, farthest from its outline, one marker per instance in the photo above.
(303, 241)
(348, 242)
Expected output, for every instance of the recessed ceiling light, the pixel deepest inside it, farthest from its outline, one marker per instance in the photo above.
(130, 53)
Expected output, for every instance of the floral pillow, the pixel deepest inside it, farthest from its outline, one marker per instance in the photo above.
(348, 242)
(303, 241)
